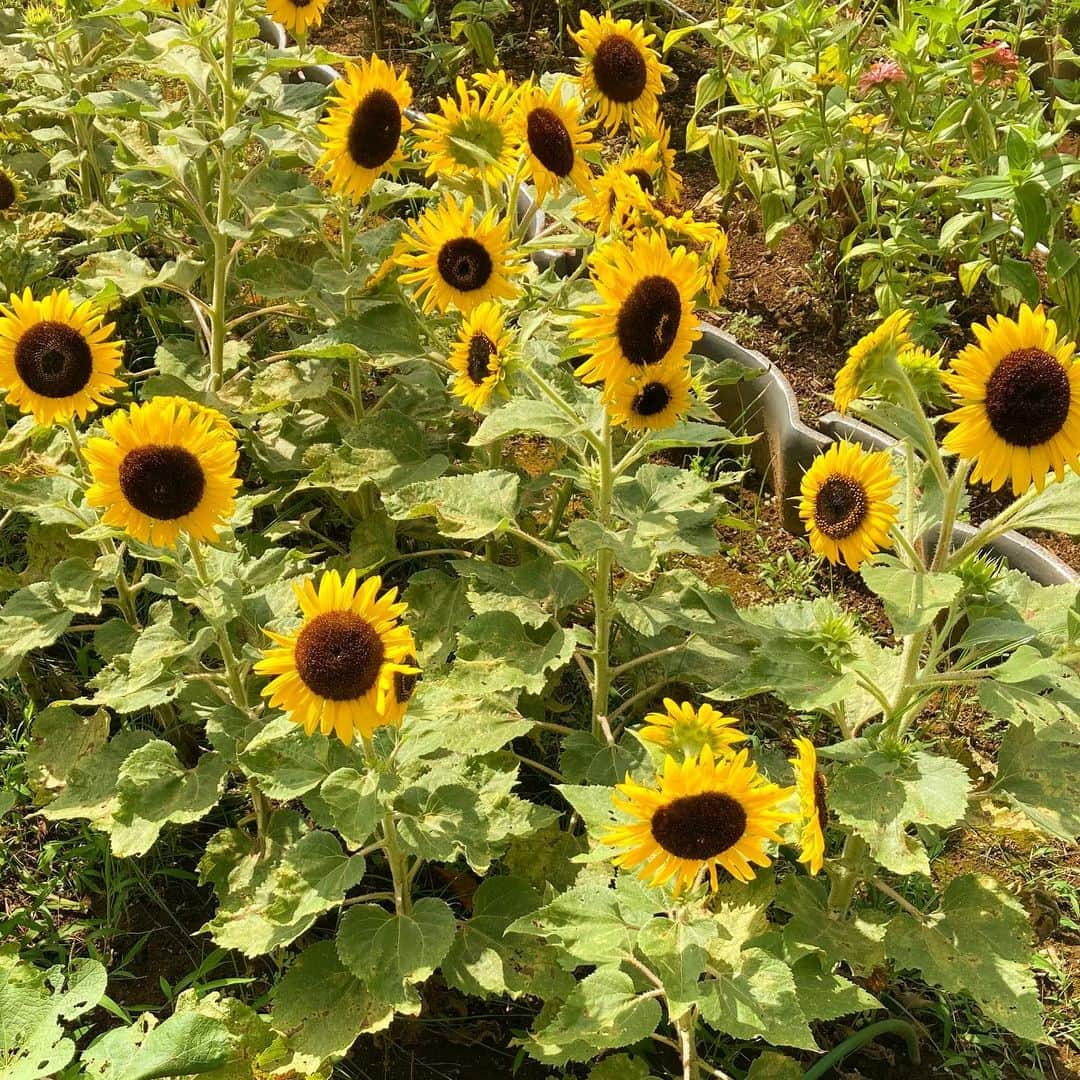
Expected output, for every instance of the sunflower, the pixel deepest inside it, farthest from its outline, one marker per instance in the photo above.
(810, 785)
(474, 135)
(646, 313)
(686, 729)
(867, 354)
(620, 194)
(56, 358)
(10, 190)
(361, 135)
(717, 262)
(479, 353)
(554, 137)
(620, 74)
(402, 687)
(339, 671)
(703, 814)
(456, 261)
(654, 137)
(218, 420)
(651, 402)
(297, 16)
(1018, 392)
(845, 503)
(163, 469)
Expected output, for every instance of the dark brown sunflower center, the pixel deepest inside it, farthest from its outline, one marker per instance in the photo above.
(481, 350)
(54, 360)
(643, 178)
(619, 69)
(163, 482)
(550, 141)
(648, 320)
(653, 399)
(338, 655)
(699, 826)
(405, 685)
(840, 507)
(375, 129)
(1028, 397)
(820, 805)
(464, 264)
(7, 191)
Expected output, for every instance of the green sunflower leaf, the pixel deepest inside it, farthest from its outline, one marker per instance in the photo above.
(882, 795)
(603, 1011)
(978, 944)
(1037, 774)
(465, 507)
(320, 1008)
(391, 954)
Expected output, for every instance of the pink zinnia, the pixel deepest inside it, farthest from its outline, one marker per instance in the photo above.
(881, 71)
(1002, 62)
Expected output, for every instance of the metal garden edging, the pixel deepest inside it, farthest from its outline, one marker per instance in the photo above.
(764, 406)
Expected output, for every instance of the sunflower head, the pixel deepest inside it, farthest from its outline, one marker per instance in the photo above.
(57, 358)
(479, 354)
(645, 315)
(10, 190)
(1018, 402)
(620, 196)
(704, 814)
(351, 665)
(867, 358)
(297, 16)
(717, 261)
(621, 76)
(813, 809)
(456, 261)
(163, 469)
(218, 420)
(654, 137)
(652, 401)
(361, 135)
(681, 729)
(554, 138)
(473, 135)
(845, 503)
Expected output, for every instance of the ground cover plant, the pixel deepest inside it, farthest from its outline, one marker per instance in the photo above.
(368, 649)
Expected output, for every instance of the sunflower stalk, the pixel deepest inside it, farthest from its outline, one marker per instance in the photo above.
(602, 603)
(125, 595)
(222, 253)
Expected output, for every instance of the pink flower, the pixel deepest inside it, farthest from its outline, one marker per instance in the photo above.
(997, 68)
(881, 71)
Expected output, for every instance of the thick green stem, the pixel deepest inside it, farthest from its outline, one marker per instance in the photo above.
(398, 869)
(691, 1066)
(356, 391)
(124, 594)
(843, 884)
(222, 255)
(953, 493)
(884, 1027)
(602, 604)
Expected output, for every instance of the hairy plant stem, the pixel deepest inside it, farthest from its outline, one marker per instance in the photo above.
(396, 859)
(953, 494)
(602, 605)
(691, 1067)
(222, 252)
(843, 884)
(237, 687)
(125, 594)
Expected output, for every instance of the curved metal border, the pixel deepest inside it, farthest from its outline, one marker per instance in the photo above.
(764, 405)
